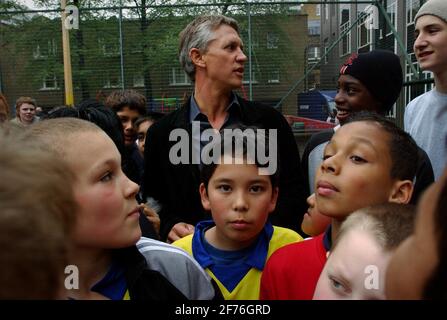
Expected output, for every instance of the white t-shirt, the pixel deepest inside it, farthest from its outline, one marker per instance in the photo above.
(426, 121)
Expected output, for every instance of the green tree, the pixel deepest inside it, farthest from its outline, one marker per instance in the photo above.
(145, 12)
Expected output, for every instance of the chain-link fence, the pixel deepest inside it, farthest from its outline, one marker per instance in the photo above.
(294, 49)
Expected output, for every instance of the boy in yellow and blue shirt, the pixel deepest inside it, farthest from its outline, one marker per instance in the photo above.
(240, 193)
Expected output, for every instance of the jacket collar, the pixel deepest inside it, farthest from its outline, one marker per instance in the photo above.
(249, 113)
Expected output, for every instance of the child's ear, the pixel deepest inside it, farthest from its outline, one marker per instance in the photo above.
(204, 197)
(196, 57)
(274, 198)
(401, 192)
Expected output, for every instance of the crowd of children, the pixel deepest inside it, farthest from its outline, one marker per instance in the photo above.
(70, 195)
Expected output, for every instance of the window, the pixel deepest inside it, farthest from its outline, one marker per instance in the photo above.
(43, 50)
(313, 54)
(412, 92)
(272, 40)
(112, 80)
(109, 47)
(273, 76)
(408, 77)
(412, 9)
(247, 79)
(313, 27)
(363, 34)
(254, 40)
(344, 13)
(326, 11)
(318, 10)
(345, 44)
(178, 77)
(49, 82)
(37, 53)
(138, 80)
(391, 11)
(136, 47)
(254, 37)
(346, 40)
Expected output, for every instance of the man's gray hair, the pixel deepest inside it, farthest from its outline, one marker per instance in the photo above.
(198, 34)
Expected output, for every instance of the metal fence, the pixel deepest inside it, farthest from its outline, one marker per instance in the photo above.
(294, 51)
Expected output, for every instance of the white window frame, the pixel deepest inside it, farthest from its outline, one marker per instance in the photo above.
(36, 53)
(175, 73)
(51, 50)
(343, 27)
(109, 85)
(409, 76)
(318, 10)
(273, 76)
(246, 79)
(314, 30)
(272, 40)
(369, 34)
(391, 10)
(138, 80)
(103, 44)
(51, 76)
(313, 54)
(410, 14)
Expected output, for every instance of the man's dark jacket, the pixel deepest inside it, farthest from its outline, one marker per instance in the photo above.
(176, 187)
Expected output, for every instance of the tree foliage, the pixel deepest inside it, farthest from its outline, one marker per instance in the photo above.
(149, 30)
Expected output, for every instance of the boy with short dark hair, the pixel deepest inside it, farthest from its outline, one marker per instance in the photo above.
(368, 161)
(129, 105)
(142, 124)
(240, 192)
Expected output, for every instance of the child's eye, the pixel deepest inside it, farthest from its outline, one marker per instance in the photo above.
(351, 91)
(432, 31)
(358, 159)
(338, 286)
(107, 177)
(256, 189)
(224, 188)
(326, 156)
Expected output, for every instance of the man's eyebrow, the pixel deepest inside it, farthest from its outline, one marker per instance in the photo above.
(428, 26)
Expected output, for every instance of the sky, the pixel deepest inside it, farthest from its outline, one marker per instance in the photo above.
(28, 3)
